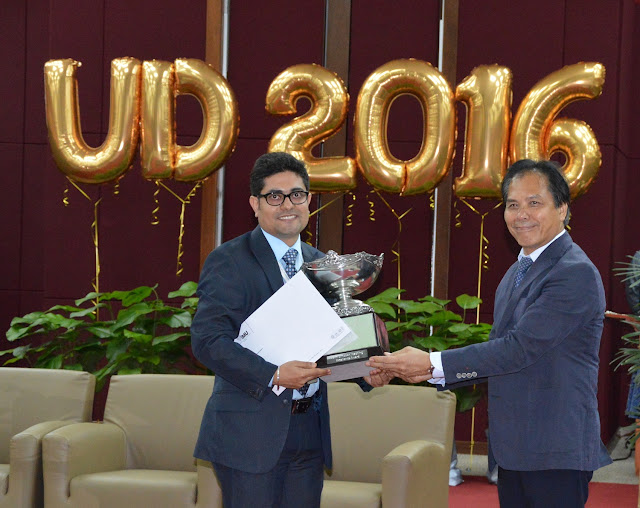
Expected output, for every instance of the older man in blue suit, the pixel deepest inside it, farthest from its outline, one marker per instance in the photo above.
(541, 360)
(266, 450)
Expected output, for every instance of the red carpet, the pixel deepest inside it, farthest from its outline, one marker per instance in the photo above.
(476, 492)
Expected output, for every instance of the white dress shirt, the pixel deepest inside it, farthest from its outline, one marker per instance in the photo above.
(279, 249)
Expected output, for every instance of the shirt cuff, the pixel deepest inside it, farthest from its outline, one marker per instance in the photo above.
(436, 360)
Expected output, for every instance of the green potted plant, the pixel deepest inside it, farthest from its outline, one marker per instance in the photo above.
(120, 332)
(629, 356)
(428, 324)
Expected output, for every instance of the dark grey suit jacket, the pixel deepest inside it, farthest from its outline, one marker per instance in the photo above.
(541, 362)
(244, 424)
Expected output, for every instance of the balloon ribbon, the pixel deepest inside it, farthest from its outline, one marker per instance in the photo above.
(483, 264)
(95, 283)
(395, 247)
(184, 202)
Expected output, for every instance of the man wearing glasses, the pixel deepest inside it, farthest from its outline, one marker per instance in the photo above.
(267, 450)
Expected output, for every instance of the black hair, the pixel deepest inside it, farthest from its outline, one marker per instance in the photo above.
(273, 163)
(556, 182)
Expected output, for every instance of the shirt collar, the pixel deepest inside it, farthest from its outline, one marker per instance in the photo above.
(280, 248)
(536, 253)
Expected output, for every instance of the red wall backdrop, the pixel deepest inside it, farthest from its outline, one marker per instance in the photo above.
(46, 248)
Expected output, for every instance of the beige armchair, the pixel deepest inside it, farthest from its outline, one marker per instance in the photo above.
(141, 455)
(34, 402)
(391, 447)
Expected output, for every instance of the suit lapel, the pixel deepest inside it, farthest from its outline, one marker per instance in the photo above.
(263, 253)
(510, 297)
(503, 294)
(308, 252)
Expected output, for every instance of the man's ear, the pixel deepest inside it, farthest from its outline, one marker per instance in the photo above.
(254, 201)
(563, 210)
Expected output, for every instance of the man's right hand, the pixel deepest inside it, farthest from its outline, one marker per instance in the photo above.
(295, 374)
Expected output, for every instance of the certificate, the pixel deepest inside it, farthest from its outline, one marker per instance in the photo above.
(295, 323)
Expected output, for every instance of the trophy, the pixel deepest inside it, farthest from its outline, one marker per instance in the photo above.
(340, 277)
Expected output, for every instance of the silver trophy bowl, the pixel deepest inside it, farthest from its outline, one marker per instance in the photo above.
(342, 276)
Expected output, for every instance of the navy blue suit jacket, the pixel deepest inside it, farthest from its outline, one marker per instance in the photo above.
(244, 424)
(541, 362)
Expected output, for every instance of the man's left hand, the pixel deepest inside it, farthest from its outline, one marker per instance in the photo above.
(378, 378)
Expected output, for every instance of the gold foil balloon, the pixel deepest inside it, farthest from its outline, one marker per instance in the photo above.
(536, 134)
(578, 142)
(221, 120)
(72, 155)
(486, 93)
(329, 105)
(379, 166)
(158, 131)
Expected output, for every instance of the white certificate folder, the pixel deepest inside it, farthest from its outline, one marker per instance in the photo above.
(295, 323)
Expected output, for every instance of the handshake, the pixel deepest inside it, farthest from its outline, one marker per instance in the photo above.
(411, 364)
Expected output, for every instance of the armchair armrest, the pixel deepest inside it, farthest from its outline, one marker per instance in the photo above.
(25, 451)
(416, 474)
(25, 446)
(209, 493)
(81, 448)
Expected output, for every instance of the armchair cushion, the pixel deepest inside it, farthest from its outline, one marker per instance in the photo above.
(135, 487)
(351, 494)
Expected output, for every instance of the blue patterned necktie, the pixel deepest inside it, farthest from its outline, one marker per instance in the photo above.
(289, 259)
(523, 265)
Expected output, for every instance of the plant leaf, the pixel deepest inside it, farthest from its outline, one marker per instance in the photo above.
(87, 311)
(128, 315)
(429, 298)
(442, 317)
(138, 337)
(74, 366)
(125, 371)
(190, 303)
(459, 328)
(100, 331)
(21, 351)
(90, 296)
(168, 338)
(55, 362)
(383, 309)
(115, 350)
(186, 290)
(130, 297)
(433, 342)
(178, 320)
(413, 307)
(388, 295)
(468, 302)
(466, 398)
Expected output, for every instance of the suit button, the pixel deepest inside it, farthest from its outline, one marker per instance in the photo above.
(285, 402)
(474, 374)
(458, 375)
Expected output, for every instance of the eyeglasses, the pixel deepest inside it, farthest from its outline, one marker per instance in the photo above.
(277, 198)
